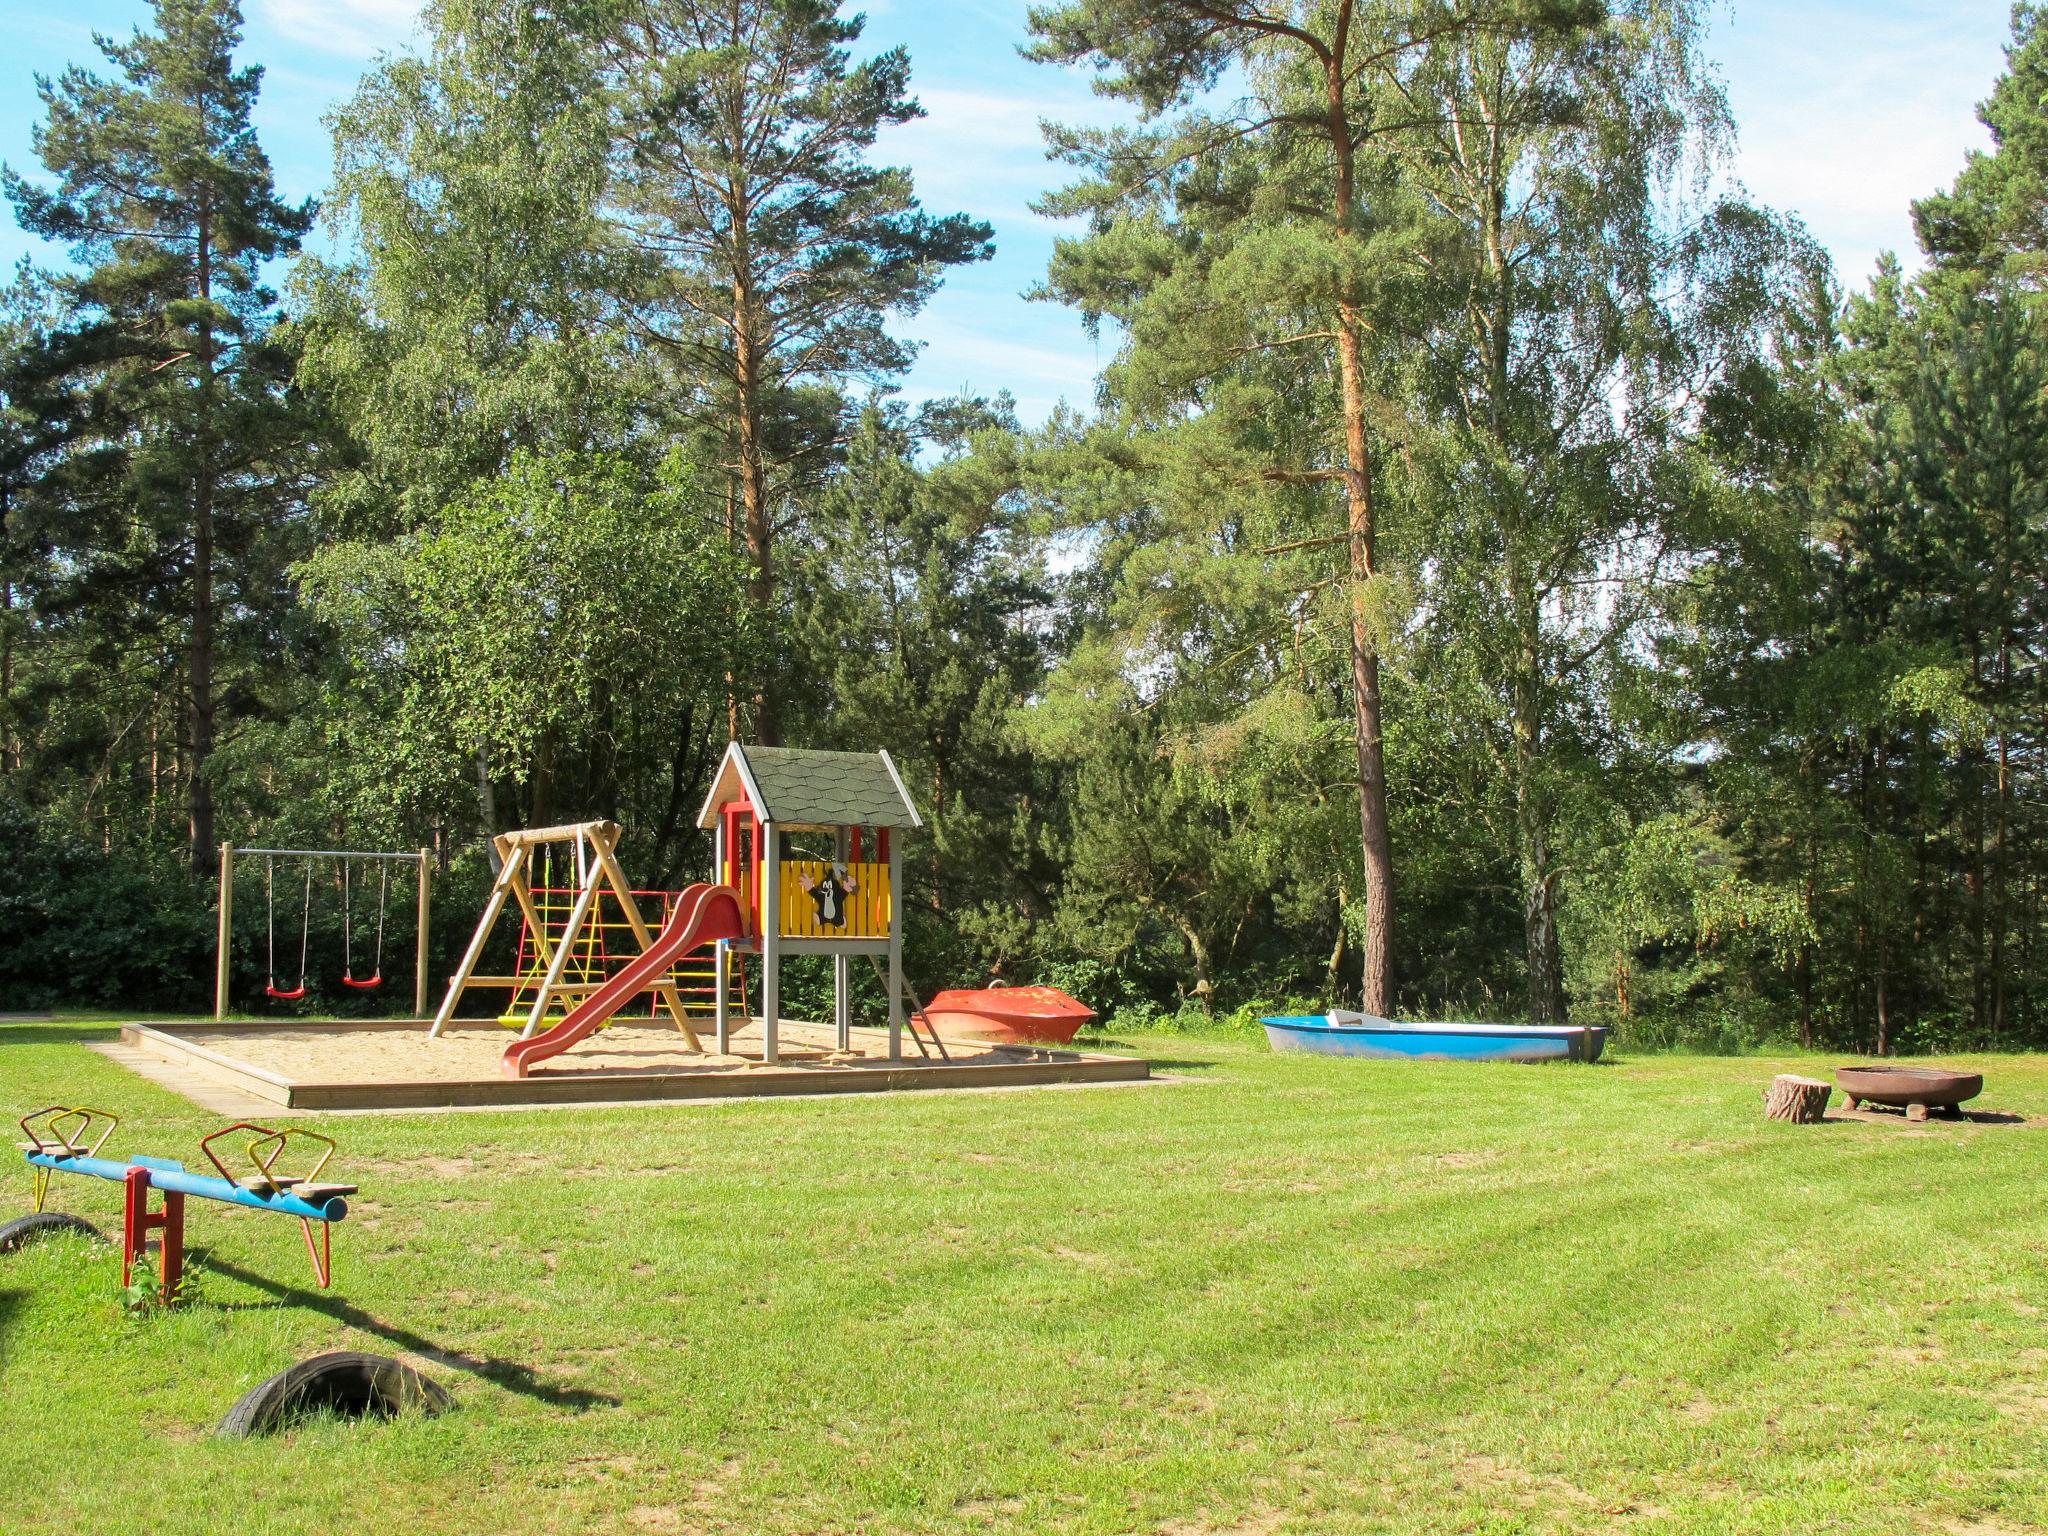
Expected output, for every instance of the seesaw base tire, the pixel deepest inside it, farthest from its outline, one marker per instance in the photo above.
(348, 1382)
(24, 1230)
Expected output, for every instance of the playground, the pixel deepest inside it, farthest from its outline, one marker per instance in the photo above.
(616, 993)
(1286, 1294)
(1409, 1287)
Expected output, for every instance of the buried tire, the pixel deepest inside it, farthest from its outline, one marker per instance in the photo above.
(24, 1230)
(347, 1382)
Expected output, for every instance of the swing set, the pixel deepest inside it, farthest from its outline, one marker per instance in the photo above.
(564, 957)
(287, 988)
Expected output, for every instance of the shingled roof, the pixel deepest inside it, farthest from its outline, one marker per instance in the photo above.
(790, 788)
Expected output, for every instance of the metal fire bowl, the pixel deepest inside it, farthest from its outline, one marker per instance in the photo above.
(1904, 1086)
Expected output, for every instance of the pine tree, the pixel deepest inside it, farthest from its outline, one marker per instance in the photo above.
(1995, 218)
(1242, 244)
(176, 469)
(773, 251)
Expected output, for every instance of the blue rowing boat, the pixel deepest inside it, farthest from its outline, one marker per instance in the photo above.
(1362, 1034)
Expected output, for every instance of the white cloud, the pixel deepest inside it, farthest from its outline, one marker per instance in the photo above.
(983, 150)
(357, 28)
(1847, 114)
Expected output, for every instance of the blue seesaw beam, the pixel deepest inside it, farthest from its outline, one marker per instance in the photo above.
(167, 1174)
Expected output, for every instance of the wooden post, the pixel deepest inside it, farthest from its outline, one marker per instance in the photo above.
(842, 1001)
(419, 961)
(771, 942)
(721, 958)
(513, 861)
(222, 945)
(1801, 1100)
(896, 949)
(842, 965)
(721, 1012)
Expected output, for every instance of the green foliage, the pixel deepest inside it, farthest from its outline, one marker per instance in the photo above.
(565, 606)
(1693, 612)
(467, 323)
(1994, 220)
(105, 927)
(154, 461)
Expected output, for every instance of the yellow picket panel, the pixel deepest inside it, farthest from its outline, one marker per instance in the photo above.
(867, 904)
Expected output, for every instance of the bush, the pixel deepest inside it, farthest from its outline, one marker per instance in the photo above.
(95, 927)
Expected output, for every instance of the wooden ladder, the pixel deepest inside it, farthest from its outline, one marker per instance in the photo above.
(915, 1013)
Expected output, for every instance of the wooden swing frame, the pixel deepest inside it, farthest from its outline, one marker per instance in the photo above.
(515, 860)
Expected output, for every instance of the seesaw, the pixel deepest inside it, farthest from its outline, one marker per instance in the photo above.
(66, 1139)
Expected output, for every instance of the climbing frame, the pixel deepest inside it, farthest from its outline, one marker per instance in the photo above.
(556, 948)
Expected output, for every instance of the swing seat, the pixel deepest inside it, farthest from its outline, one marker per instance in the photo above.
(274, 990)
(367, 984)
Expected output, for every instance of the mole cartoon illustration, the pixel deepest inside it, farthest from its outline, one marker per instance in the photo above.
(829, 894)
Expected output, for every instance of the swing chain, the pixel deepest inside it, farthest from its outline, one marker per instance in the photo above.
(270, 917)
(305, 925)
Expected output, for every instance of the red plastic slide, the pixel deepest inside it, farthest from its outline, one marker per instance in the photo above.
(702, 913)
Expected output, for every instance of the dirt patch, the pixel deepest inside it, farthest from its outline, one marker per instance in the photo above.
(1259, 1522)
(1466, 1159)
(1493, 1477)
(1079, 1256)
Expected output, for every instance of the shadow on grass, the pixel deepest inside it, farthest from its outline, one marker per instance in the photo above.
(10, 1303)
(509, 1374)
(45, 1032)
(1105, 1043)
(1889, 1114)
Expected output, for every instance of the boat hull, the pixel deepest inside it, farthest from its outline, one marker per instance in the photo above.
(1321, 1035)
(1008, 1015)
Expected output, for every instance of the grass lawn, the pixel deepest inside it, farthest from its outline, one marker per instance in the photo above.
(1289, 1294)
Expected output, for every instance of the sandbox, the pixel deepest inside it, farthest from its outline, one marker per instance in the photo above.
(328, 1064)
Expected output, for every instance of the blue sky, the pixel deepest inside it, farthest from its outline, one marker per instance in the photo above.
(1847, 110)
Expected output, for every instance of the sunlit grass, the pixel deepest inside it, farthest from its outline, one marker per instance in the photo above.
(1282, 1294)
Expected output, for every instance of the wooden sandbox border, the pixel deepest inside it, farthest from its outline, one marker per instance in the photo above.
(192, 1046)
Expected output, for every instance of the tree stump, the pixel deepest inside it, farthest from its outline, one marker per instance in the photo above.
(1802, 1100)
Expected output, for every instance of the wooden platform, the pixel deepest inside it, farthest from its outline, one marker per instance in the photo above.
(394, 1065)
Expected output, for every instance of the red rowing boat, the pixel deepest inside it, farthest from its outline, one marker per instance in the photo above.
(1008, 1015)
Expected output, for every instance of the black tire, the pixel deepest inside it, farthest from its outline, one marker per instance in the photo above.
(24, 1230)
(348, 1382)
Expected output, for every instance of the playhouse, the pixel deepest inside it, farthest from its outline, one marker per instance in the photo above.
(812, 843)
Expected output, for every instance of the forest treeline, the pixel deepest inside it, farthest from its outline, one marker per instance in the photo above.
(1503, 571)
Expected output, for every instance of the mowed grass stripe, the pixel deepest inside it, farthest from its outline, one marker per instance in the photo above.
(1286, 1295)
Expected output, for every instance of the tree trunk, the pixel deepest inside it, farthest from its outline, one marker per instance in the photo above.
(199, 677)
(487, 805)
(1375, 838)
(1532, 815)
(732, 692)
(1998, 849)
(1334, 978)
(753, 478)
(10, 745)
(1805, 965)
(1198, 951)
